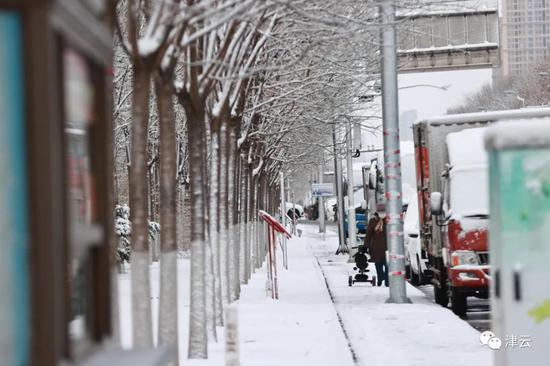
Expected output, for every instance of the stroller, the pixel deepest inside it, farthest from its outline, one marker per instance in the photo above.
(361, 265)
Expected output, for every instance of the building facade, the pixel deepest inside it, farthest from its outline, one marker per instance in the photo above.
(56, 234)
(525, 35)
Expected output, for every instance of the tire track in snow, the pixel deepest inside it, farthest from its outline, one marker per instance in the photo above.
(340, 321)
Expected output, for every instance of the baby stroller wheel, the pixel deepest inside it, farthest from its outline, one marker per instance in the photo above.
(350, 281)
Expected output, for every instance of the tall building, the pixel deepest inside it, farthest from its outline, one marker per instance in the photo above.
(525, 35)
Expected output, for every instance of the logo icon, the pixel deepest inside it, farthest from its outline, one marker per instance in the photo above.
(494, 343)
(488, 338)
(485, 336)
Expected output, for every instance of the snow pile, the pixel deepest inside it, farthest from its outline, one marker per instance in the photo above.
(123, 229)
(123, 226)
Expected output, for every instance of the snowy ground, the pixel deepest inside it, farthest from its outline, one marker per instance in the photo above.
(420, 333)
(305, 327)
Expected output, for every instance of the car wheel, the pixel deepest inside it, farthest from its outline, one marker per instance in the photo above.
(415, 280)
(459, 303)
(440, 295)
(421, 279)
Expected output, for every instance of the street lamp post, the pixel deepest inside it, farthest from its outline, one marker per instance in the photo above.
(283, 215)
(392, 156)
(342, 247)
(352, 233)
(321, 203)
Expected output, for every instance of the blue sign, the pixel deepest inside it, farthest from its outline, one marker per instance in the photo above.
(14, 237)
(322, 190)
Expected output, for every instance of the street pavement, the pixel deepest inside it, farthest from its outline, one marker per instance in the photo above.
(479, 312)
(379, 333)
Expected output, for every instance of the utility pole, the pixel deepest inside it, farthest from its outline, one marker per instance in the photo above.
(342, 248)
(293, 212)
(352, 232)
(283, 217)
(392, 158)
(321, 204)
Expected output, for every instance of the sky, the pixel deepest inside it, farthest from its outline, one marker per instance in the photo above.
(430, 102)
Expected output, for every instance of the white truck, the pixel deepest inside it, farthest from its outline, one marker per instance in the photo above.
(374, 188)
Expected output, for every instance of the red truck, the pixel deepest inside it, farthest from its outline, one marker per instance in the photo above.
(452, 188)
(451, 170)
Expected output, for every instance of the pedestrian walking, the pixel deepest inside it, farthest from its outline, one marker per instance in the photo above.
(375, 241)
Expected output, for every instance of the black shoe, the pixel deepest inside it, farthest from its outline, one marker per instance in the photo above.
(387, 284)
(379, 284)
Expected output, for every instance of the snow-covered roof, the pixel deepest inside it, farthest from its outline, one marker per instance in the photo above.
(409, 8)
(447, 48)
(488, 116)
(521, 133)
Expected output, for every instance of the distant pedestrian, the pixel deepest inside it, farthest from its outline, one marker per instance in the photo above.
(376, 242)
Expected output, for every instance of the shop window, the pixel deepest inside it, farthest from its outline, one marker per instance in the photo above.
(85, 230)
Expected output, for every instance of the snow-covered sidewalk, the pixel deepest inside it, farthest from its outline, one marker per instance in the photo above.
(301, 328)
(421, 333)
(306, 327)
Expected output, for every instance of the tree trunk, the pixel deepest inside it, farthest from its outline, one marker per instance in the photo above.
(198, 347)
(214, 221)
(223, 212)
(168, 302)
(141, 298)
(252, 215)
(209, 252)
(233, 250)
(259, 224)
(185, 245)
(243, 216)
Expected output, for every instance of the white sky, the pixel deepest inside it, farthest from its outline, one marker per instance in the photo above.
(430, 102)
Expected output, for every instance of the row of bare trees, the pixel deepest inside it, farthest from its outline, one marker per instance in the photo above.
(213, 98)
(526, 90)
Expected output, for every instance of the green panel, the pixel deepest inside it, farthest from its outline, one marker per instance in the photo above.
(525, 183)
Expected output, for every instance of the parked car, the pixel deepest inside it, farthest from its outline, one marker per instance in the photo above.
(360, 222)
(415, 258)
(296, 208)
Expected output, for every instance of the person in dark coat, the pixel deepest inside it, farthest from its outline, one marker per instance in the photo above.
(375, 241)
